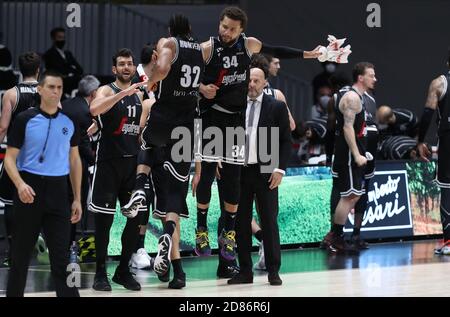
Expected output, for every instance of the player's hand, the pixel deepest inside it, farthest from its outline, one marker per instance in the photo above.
(208, 91)
(424, 152)
(77, 211)
(315, 53)
(26, 193)
(275, 180)
(134, 89)
(360, 160)
(93, 128)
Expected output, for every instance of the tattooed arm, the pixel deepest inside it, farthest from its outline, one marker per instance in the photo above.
(350, 105)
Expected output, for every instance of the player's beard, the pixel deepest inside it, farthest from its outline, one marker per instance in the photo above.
(229, 43)
(123, 80)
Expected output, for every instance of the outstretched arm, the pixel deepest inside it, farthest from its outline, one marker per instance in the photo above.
(256, 46)
(106, 98)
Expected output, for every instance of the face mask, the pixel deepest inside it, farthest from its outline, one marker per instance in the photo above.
(330, 68)
(324, 101)
(60, 44)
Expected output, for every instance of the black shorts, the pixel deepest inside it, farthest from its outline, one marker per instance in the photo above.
(113, 179)
(443, 163)
(226, 148)
(372, 146)
(7, 188)
(170, 180)
(350, 179)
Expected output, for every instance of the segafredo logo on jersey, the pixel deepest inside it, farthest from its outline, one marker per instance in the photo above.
(234, 78)
(388, 206)
(127, 128)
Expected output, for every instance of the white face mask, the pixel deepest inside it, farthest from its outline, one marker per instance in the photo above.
(323, 101)
(330, 68)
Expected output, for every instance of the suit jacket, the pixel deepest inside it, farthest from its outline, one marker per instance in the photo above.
(54, 61)
(78, 109)
(274, 114)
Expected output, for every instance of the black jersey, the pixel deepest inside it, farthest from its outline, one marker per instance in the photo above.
(27, 97)
(342, 153)
(177, 94)
(397, 147)
(370, 106)
(228, 69)
(444, 108)
(270, 91)
(119, 128)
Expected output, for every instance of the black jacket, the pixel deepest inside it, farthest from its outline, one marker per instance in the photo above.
(274, 114)
(55, 62)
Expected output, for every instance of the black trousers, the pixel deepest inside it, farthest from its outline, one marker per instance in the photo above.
(51, 212)
(253, 182)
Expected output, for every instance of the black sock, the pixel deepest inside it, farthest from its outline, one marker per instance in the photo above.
(356, 231)
(103, 223)
(445, 217)
(258, 235)
(230, 220)
(338, 229)
(202, 216)
(177, 268)
(169, 227)
(140, 243)
(141, 179)
(8, 210)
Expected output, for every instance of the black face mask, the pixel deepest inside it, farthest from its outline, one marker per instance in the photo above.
(60, 44)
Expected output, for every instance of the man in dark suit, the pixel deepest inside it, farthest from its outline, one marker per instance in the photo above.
(78, 109)
(62, 61)
(268, 146)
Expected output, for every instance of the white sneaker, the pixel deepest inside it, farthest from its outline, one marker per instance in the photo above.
(261, 264)
(140, 260)
(162, 260)
(443, 250)
(137, 202)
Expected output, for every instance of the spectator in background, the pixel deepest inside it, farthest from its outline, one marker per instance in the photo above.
(274, 67)
(323, 79)
(397, 122)
(62, 61)
(319, 109)
(7, 77)
(78, 109)
(398, 147)
(312, 148)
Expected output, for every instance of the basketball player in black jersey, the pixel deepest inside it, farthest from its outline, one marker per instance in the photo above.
(350, 150)
(224, 94)
(118, 109)
(140, 258)
(439, 99)
(176, 74)
(16, 100)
